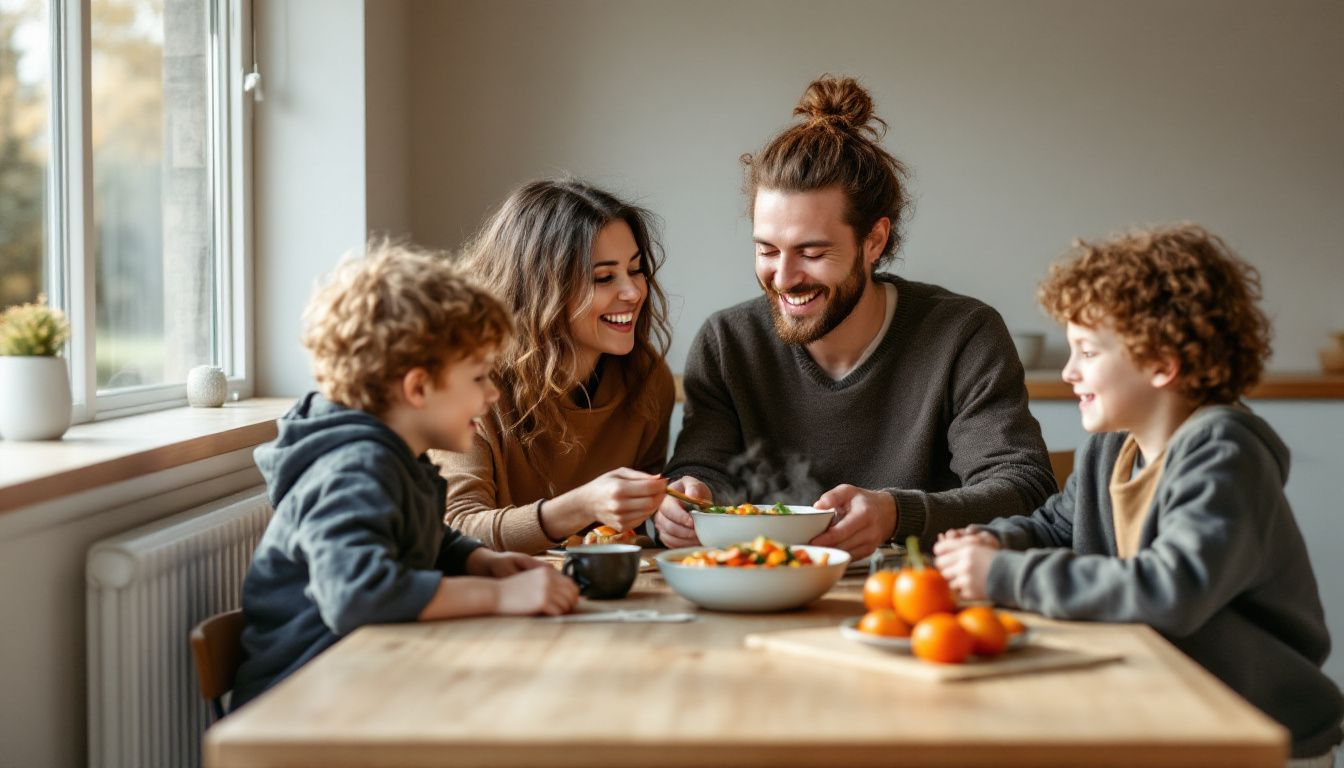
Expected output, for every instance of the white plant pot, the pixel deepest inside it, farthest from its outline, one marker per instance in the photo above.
(34, 397)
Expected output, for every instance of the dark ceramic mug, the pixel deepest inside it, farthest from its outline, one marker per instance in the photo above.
(602, 571)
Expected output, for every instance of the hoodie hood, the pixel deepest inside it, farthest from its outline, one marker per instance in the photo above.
(314, 427)
(1247, 419)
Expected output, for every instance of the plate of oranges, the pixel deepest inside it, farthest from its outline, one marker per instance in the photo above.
(914, 611)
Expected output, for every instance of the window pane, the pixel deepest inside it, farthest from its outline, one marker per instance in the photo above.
(25, 85)
(152, 201)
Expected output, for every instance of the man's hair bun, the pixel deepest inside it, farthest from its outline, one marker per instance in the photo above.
(840, 102)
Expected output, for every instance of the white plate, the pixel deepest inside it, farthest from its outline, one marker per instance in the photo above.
(849, 629)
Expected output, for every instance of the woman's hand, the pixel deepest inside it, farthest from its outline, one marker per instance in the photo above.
(622, 498)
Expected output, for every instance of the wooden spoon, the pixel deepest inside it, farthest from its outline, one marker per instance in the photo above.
(694, 502)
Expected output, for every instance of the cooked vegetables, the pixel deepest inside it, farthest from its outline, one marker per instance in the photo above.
(751, 509)
(760, 553)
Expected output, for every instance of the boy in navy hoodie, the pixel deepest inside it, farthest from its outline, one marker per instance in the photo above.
(1175, 514)
(402, 351)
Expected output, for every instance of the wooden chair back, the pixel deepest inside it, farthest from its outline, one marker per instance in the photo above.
(217, 645)
(1061, 462)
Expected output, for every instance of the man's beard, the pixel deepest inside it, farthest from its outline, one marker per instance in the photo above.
(802, 331)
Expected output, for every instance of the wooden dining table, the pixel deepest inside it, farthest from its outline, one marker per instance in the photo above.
(542, 692)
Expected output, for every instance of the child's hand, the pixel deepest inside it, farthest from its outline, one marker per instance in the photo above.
(624, 498)
(956, 538)
(964, 562)
(486, 562)
(537, 590)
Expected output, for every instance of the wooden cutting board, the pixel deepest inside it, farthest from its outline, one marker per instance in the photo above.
(827, 644)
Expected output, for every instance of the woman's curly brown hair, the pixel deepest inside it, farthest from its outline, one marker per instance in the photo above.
(1174, 290)
(395, 309)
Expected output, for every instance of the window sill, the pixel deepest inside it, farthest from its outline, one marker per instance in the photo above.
(105, 452)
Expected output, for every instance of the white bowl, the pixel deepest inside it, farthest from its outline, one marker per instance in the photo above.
(752, 590)
(717, 529)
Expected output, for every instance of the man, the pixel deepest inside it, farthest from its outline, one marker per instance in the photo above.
(906, 400)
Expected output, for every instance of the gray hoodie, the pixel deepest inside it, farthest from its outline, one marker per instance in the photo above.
(357, 538)
(1222, 569)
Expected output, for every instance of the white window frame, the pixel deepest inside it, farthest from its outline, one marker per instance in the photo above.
(70, 255)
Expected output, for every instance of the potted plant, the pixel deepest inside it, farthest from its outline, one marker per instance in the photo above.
(34, 382)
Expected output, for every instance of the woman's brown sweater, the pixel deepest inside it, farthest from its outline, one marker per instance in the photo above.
(495, 490)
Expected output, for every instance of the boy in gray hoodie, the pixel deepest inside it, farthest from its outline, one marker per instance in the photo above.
(1175, 514)
(402, 350)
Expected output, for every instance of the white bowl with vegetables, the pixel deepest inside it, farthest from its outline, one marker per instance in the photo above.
(752, 577)
(785, 523)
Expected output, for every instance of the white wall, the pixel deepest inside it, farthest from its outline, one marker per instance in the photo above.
(1026, 123)
(386, 84)
(309, 170)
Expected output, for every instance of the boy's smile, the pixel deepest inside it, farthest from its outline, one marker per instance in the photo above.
(454, 406)
(1114, 393)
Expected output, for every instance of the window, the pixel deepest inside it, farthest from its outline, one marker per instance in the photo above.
(122, 187)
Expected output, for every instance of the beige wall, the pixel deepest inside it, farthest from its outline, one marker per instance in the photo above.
(1026, 123)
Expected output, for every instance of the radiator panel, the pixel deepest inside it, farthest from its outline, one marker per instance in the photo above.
(146, 589)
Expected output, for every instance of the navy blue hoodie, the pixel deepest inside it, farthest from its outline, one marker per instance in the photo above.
(357, 538)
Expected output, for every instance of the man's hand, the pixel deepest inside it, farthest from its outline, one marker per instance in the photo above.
(863, 519)
(964, 557)
(484, 561)
(676, 527)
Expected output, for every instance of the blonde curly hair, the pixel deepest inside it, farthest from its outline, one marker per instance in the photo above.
(1177, 290)
(396, 308)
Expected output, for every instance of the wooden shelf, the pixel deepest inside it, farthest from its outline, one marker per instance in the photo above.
(1046, 385)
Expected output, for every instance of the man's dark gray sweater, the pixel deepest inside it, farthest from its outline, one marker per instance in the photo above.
(937, 415)
(357, 538)
(1222, 570)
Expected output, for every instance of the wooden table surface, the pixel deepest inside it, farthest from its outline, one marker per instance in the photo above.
(534, 691)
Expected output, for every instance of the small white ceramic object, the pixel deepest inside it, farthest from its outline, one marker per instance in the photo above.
(752, 590)
(716, 529)
(207, 387)
(34, 397)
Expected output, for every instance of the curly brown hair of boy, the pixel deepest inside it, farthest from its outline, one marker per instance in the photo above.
(392, 309)
(1176, 290)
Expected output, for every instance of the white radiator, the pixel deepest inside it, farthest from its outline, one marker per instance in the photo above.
(146, 589)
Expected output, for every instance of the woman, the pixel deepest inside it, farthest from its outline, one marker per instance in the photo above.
(581, 428)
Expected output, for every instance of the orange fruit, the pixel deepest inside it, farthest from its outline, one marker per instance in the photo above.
(921, 591)
(884, 622)
(940, 638)
(877, 590)
(1011, 623)
(988, 637)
